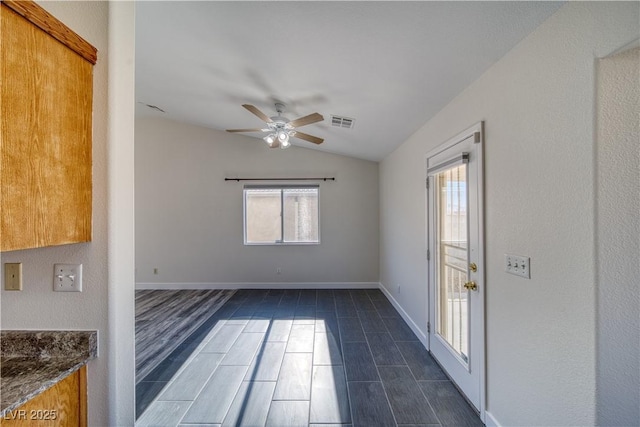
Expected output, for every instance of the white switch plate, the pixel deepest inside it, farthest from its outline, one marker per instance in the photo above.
(518, 265)
(67, 277)
(13, 276)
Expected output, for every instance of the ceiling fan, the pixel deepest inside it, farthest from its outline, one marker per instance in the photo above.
(280, 128)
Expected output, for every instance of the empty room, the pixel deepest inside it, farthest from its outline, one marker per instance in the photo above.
(320, 213)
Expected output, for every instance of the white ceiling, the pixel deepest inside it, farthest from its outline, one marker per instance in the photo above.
(389, 65)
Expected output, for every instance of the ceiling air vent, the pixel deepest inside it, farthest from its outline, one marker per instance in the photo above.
(342, 122)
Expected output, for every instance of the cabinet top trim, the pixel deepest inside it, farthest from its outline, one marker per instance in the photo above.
(48, 23)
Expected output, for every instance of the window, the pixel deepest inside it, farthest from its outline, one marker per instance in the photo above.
(281, 215)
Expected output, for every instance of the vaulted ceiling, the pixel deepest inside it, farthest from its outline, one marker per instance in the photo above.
(391, 66)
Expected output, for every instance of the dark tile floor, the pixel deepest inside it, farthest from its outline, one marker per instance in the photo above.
(164, 318)
(303, 358)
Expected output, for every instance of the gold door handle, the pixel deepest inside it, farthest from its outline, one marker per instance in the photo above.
(471, 286)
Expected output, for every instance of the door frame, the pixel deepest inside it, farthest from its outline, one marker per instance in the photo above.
(476, 131)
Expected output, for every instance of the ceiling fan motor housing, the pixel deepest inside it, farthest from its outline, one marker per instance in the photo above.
(279, 121)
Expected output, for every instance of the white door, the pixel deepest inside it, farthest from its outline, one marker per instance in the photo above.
(456, 262)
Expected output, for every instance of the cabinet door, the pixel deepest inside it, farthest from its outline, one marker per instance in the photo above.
(46, 110)
(63, 405)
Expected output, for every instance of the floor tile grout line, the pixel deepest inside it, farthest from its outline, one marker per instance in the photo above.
(263, 344)
(407, 365)
(173, 379)
(245, 372)
(416, 380)
(312, 366)
(344, 363)
(183, 363)
(384, 389)
(226, 414)
(412, 374)
(282, 362)
(256, 355)
(191, 356)
(171, 295)
(266, 337)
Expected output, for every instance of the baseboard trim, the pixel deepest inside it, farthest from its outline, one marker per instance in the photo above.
(489, 420)
(414, 327)
(259, 285)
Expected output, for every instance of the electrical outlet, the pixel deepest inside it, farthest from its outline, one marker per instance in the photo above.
(518, 265)
(278, 270)
(67, 277)
(13, 276)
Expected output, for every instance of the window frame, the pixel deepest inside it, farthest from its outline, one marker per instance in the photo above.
(281, 188)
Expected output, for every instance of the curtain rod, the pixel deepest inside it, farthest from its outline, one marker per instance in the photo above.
(281, 179)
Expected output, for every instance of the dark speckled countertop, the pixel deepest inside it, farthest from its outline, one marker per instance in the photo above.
(33, 361)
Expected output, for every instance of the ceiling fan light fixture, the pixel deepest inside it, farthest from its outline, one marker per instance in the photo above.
(283, 137)
(285, 144)
(270, 139)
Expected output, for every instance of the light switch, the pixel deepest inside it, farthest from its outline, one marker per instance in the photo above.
(67, 277)
(13, 276)
(518, 265)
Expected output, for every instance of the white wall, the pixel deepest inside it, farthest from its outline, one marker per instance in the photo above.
(618, 239)
(121, 213)
(37, 306)
(538, 104)
(189, 220)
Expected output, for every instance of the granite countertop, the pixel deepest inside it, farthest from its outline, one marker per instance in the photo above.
(33, 361)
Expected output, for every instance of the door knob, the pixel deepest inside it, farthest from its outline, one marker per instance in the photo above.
(471, 286)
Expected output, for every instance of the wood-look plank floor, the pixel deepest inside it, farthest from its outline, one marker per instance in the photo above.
(165, 318)
(304, 358)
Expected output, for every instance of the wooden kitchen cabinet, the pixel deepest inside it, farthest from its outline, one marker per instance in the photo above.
(46, 80)
(62, 405)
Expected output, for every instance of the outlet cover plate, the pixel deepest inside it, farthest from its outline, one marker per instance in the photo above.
(518, 265)
(13, 276)
(67, 277)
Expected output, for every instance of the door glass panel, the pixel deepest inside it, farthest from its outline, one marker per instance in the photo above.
(452, 308)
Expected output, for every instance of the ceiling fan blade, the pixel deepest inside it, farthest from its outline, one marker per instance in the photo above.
(307, 120)
(257, 112)
(244, 130)
(308, 137)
